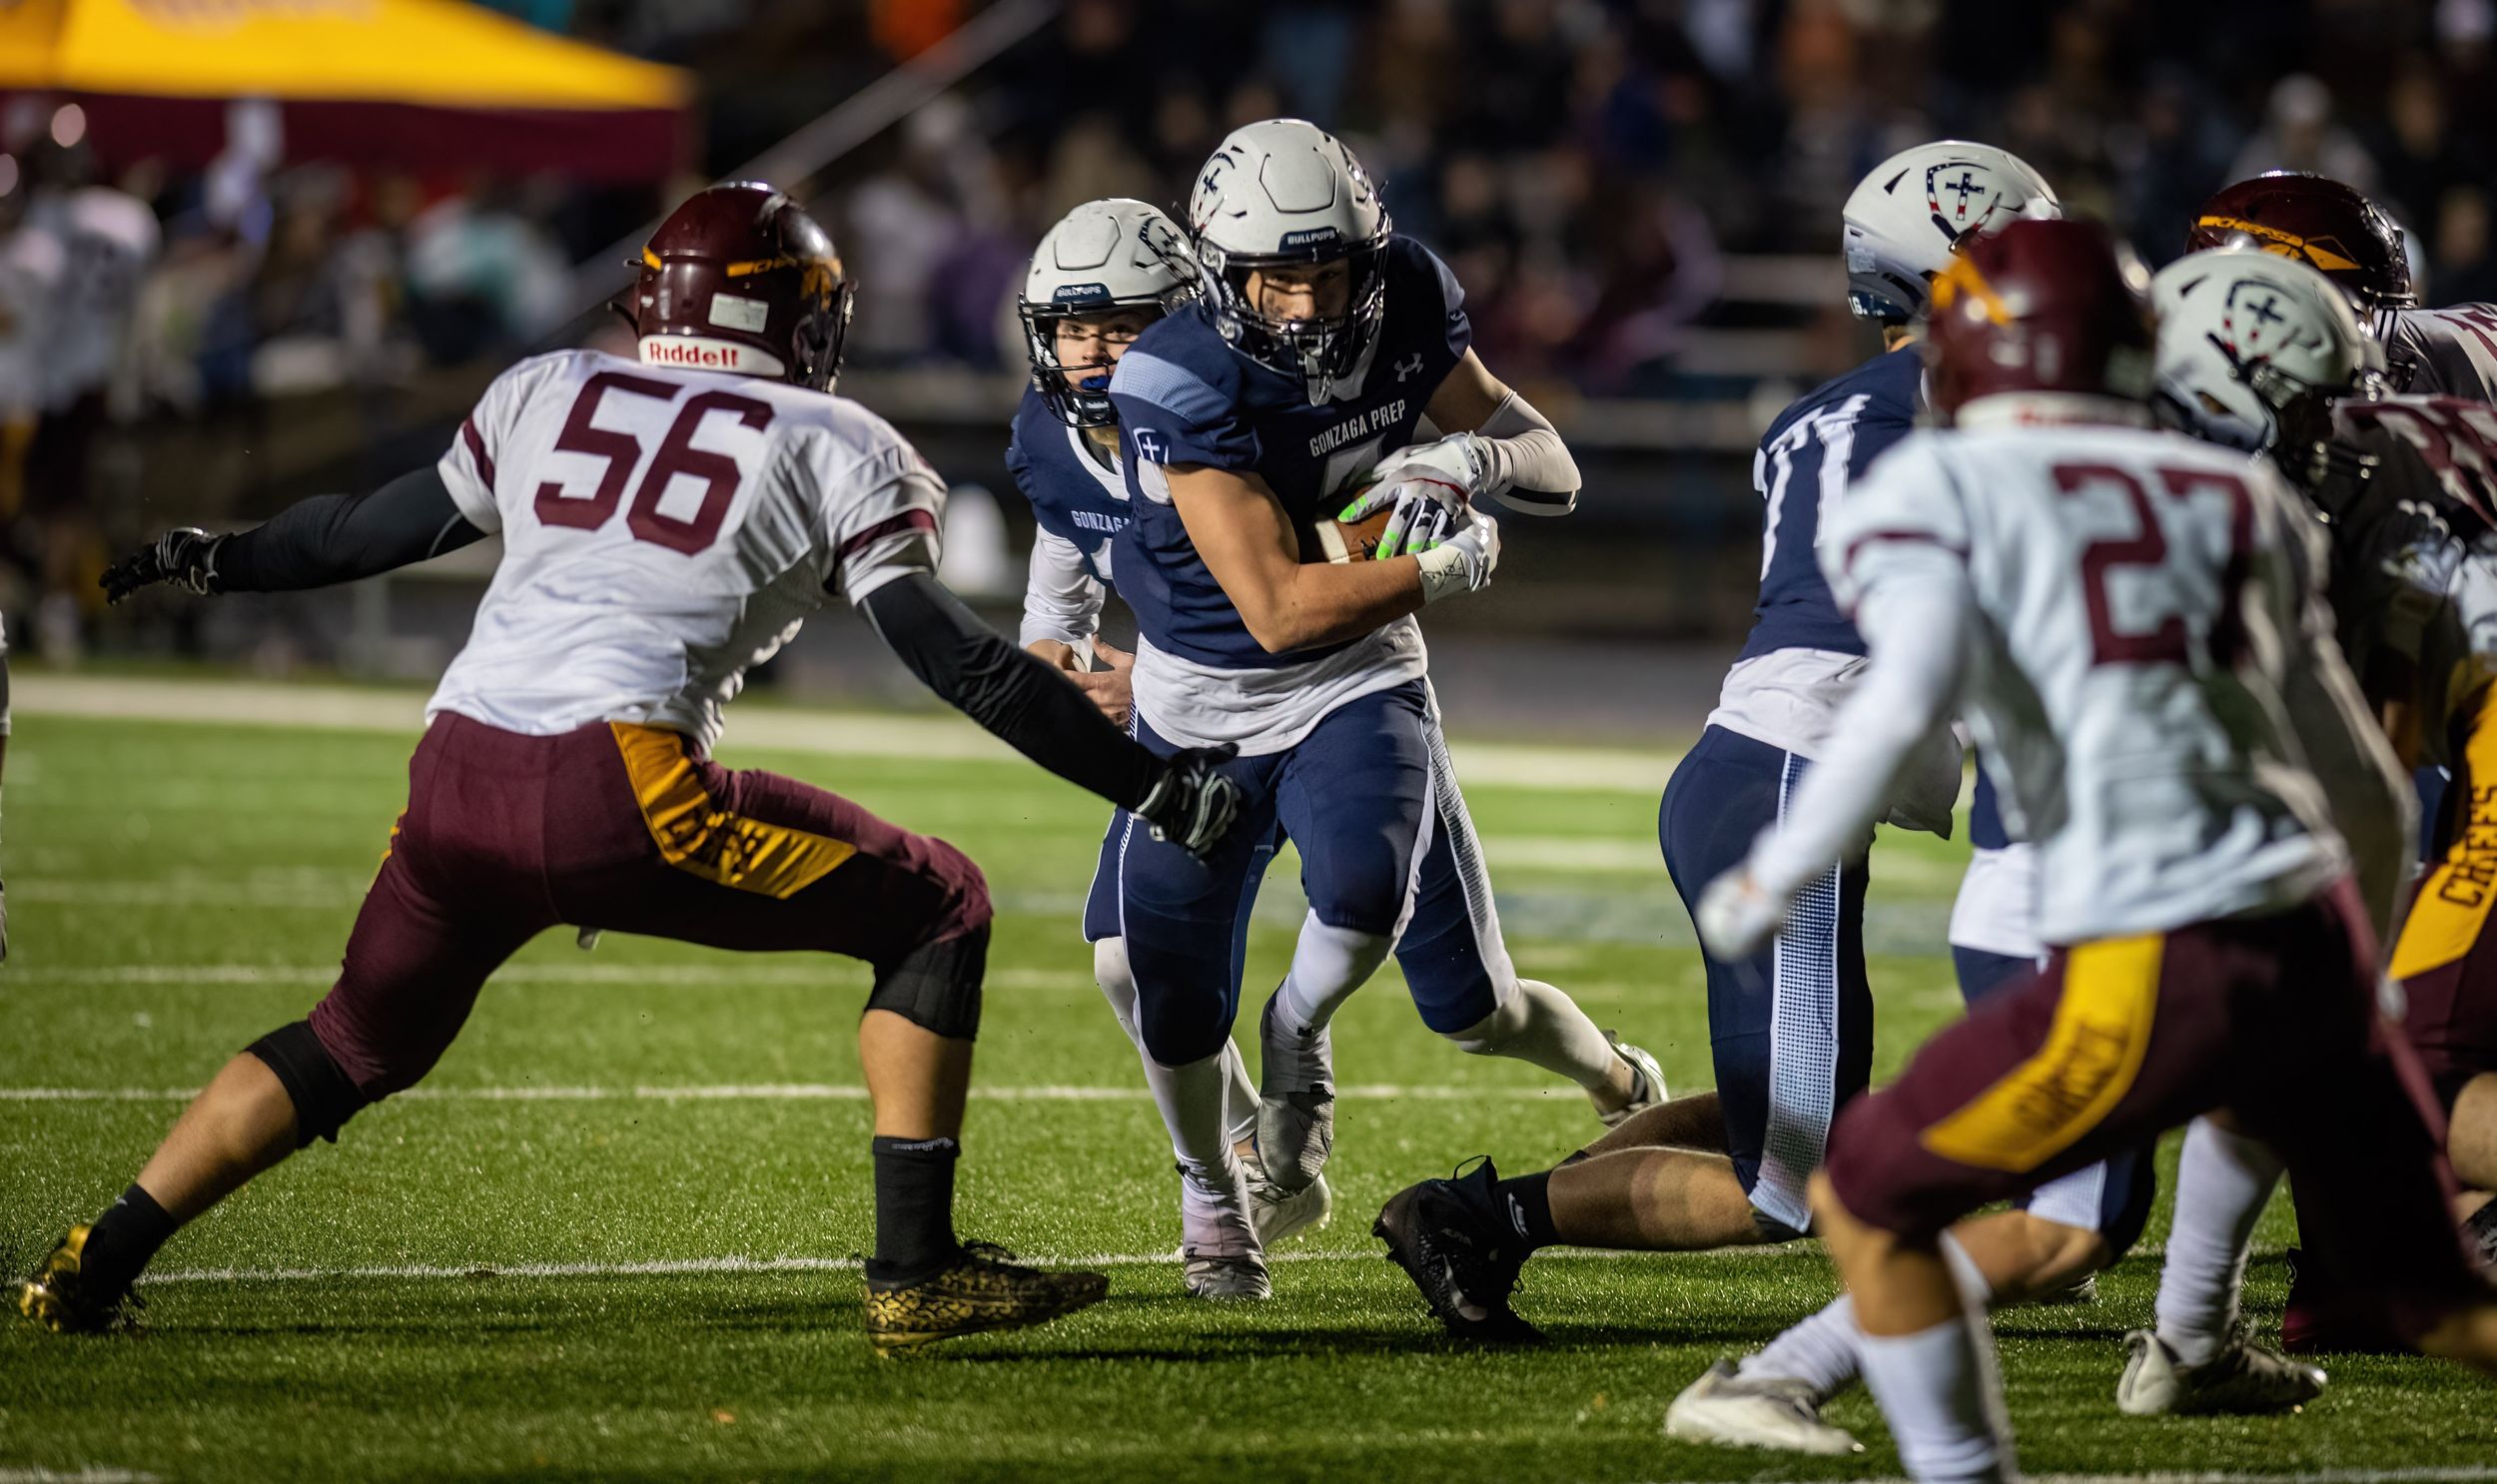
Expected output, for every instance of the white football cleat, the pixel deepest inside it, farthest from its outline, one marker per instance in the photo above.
(1650, 1083)
(1725, 1407)
(1220, 1254)
(2244, 1378)
(1296, 1101)
(1278, 1213)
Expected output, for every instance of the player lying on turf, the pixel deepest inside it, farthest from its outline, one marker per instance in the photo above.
(1791, 1027)
(667, 524)
(1318, 341)
(2131, 622)
(2229, 322)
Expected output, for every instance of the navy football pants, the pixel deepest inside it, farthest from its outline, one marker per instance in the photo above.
(1384, 849)
(1790, 1030)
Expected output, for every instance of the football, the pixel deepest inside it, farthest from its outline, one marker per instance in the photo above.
(1327, 539)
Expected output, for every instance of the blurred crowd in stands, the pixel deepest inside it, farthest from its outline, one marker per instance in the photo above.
(1592, 169)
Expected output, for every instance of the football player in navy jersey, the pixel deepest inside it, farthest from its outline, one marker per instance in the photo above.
(1791, 1028)
(1107, 271)
(1294, 390)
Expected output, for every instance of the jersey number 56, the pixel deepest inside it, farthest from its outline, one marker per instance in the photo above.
(622, 452)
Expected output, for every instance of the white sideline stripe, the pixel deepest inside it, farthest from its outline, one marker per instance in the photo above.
(825, 971)
(699, 1266)
(823, 732)
(771, 1093)
(87, 1475)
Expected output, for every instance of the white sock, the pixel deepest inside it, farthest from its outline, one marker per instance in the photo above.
(1327, 965)
(1938, 1390)
(1192, 1099)
(1542, 1027)
(2223, 1181)
(1239, 1096)
(1825, 1351)
(1117, 986)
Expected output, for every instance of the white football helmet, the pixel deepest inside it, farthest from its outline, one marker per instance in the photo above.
(1902, 221)
(1104, 254)
(1285, 192)
(2254, 348)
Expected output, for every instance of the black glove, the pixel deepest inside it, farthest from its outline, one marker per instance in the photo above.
(184, 559)
(1191, 804)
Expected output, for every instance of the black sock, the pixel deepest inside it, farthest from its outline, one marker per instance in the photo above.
(124, 1240)
(914, 1207)
(1526, 1208)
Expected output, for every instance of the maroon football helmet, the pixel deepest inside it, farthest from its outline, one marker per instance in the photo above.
(740, 278)
(2320, 223)
(2039, 307)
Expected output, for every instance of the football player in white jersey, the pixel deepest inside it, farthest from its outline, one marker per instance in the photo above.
(2260, 352)
(667, 524)
(2128, 621)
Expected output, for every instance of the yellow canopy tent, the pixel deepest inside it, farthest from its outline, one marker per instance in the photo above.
(420, 83)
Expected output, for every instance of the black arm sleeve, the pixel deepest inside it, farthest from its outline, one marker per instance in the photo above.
(1020, 700)
(341, 537)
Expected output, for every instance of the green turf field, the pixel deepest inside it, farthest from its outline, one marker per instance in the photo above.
(612, 1235)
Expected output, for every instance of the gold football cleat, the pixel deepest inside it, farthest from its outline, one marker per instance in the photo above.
(57, 1297)
(983, 1289)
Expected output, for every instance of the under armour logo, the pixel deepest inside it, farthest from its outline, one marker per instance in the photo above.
(1150, 447)
(1409, 367)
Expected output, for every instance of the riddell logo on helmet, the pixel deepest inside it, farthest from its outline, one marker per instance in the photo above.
(702, 353)
(677, 353)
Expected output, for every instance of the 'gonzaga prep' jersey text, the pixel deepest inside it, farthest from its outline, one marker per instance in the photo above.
(1075, 496)
(663, 530)
(2141, 595)
(1185, 396)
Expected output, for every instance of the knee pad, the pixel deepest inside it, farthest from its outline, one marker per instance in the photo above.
(936, 985)
(324, 1097)
(1179, 1030)
(1118, 983)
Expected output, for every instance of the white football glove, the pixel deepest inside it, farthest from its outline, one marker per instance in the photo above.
(1463, 562)
(1430, 485)
(1736, 918)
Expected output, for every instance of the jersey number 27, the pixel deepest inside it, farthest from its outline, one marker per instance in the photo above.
(2167, 642)
(677, 457)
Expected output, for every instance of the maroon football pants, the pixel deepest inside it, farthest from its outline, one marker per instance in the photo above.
(621, 827)
(2274, 1018)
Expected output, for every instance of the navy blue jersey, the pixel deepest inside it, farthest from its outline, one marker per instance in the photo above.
(1073, 496)
(1826, 440)
(1985, 816)
(1185, 396)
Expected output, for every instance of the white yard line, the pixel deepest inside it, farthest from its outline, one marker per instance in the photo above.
(782, 1093)
(827, 733)
(87, 1475)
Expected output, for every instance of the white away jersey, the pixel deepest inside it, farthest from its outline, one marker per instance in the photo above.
(663, 530)
(2138, 595)
(2451, 351)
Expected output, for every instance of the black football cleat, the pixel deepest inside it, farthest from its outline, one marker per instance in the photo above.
(984, 1289)
(56, 1295)
(1450, 1239)
(2480, 1235)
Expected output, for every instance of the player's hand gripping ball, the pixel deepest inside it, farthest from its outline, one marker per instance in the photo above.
(1426, 492)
